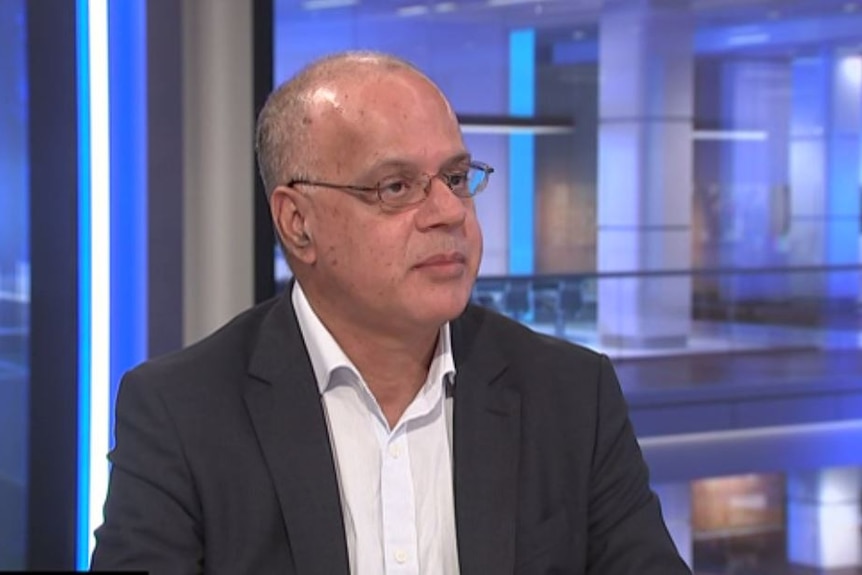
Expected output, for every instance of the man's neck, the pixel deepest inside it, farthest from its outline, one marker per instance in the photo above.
(394, 369)
(393, 365)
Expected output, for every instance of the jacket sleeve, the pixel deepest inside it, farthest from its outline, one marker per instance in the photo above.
(152, 511)
(627, 534)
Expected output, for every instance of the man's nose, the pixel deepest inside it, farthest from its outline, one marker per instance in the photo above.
(442, 206)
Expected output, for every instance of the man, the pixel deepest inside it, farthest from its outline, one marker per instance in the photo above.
(369, 421)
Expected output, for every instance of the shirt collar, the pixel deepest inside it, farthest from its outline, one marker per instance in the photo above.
(327, 356)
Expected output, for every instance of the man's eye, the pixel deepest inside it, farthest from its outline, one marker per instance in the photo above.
(457, 179)
(395, 188)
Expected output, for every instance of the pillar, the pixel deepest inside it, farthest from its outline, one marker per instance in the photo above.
(645, 171)
(826, 125)
(823, 518)
(218, 167)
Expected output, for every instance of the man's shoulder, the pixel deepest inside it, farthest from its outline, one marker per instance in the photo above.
(558, 379)
(521, 343)
(221, 355)
(509, 333)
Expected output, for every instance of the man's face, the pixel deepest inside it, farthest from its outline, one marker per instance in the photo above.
(387, 270)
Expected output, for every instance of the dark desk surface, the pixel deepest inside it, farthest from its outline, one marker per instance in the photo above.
(747, 374)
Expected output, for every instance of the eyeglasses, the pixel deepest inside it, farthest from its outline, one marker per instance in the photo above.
(404, 191)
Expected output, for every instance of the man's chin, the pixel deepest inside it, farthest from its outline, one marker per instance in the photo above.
(444, 311)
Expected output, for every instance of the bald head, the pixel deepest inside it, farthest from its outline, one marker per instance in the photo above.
(292, 114)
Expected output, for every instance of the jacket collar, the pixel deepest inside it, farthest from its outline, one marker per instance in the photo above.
(285, 409)
(487, 443)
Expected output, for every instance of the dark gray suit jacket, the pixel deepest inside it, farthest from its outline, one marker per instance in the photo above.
(223, 464)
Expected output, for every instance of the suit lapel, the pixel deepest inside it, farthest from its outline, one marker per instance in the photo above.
(487, 442)
(285, 408)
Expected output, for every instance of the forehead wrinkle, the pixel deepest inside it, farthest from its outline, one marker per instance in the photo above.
(347, 107)
(401, 162)
(384, 94)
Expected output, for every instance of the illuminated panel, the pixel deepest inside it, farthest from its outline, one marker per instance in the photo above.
(129, 182)
(522, 47)
(84, 295)
(94, 228)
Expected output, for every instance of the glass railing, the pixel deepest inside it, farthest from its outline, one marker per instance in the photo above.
(716, 354)
(662, 313)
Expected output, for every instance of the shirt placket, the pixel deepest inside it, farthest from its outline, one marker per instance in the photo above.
(398, 505)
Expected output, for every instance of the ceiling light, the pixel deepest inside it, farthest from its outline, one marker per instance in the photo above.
(416, 10)
(500, 3)
(730, 135)
(748, 37)
(513, 129)
(326, 4)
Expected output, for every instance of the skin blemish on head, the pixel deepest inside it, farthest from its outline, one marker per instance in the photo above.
(331, 257)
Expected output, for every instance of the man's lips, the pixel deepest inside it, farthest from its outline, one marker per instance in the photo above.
(442, 260)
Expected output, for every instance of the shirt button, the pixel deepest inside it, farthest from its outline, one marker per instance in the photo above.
(395, 451)
(401, 556)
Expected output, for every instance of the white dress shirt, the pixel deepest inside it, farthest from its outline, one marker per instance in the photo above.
(395, 483)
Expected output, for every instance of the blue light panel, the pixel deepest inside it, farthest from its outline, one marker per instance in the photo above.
(84, 292)
(522, 81)
(128, 65)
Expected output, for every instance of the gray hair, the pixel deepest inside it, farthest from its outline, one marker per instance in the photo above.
(282, 137)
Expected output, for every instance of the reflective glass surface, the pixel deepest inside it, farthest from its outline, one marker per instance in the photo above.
(14, 284)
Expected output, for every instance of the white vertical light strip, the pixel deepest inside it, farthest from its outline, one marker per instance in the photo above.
(851, 69)
(100, 245)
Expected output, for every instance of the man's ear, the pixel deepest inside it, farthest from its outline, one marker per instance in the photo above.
(290, 209)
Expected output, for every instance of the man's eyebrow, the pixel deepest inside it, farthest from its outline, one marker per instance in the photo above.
(390, 164)
(459, 158)
(398, 163)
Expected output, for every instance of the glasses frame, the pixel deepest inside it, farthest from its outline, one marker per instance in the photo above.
(441, 175)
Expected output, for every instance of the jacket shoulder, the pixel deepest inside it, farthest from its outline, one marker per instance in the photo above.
(217, 356)
(517, 340)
